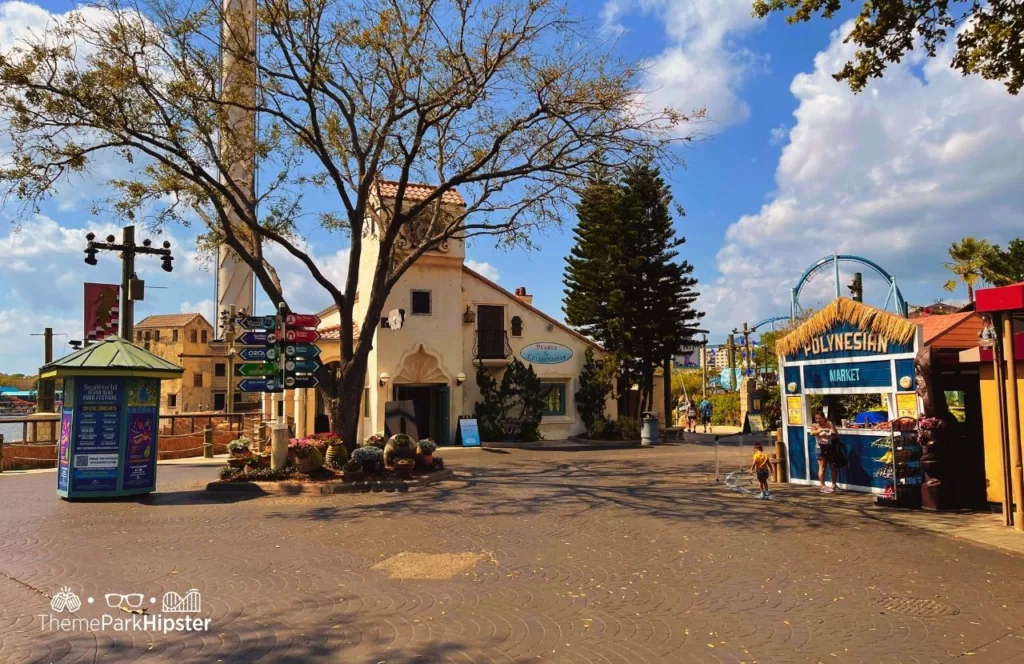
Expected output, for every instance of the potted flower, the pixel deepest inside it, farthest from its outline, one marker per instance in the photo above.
(400, 446)
(352, 471)
(257, 461)
(375, 440)
(239, 451)
(307, 457)
(335, 453)
(404, 466)
(425, 452)
(370, 458)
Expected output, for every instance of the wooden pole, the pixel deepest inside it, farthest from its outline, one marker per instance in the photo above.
(1013, 425)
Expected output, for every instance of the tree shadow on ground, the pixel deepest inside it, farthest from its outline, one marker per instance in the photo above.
(678, 490)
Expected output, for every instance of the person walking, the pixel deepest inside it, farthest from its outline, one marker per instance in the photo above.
(828, 440)
(691, 417)
(705, 408)
(759, 465)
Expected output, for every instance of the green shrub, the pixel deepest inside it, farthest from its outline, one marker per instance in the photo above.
(771, 407)
(512, 410)
(725, 408)
(427, 446)
(628, 428)
(595, 385)
(257, 474)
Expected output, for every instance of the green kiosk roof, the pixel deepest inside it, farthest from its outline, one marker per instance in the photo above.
(112, 357)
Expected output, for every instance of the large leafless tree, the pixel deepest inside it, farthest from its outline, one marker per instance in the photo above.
(511, 102)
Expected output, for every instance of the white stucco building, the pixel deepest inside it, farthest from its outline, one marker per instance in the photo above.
(455, 320)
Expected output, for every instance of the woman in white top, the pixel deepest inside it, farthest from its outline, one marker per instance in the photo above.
(825, 432)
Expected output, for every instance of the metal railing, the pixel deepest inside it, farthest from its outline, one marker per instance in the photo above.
(492, 345)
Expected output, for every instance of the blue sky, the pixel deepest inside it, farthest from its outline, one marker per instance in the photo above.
(794, 168)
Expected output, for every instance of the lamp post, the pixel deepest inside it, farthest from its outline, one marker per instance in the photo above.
(132, 288)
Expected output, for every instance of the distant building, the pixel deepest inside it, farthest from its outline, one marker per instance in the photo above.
(185, 340)
(936, 309)
(717, 357)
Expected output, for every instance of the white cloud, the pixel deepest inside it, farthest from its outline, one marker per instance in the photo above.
(485, 269)
(701, 67)
(894, 174)
(778, 135)
(22, 353)
(204, 307)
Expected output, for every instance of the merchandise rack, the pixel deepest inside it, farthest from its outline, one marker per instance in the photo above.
(902, 465)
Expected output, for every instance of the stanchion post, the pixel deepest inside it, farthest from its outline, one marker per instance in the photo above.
(208, 442)
(1, 453)
(716, 458)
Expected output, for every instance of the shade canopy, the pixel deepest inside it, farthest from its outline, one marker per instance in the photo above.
(113, 356)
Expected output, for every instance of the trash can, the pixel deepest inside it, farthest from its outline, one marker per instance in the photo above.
(649, 429)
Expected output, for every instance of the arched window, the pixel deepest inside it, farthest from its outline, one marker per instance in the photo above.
(517, 326)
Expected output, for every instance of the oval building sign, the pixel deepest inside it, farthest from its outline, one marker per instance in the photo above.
(546, 353)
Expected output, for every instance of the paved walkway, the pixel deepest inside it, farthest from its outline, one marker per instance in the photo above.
(611, 556)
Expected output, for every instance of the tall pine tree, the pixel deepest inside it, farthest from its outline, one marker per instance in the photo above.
(624, 285)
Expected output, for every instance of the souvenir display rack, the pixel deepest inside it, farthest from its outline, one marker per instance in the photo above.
(901, 465)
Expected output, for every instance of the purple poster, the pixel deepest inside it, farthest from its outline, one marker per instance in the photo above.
(64, 450)
(140, 450)
(140, 464)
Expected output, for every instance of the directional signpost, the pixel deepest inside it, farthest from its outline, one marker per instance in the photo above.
(278, 357)
(257, 369)
(301, 350)
(258, 354)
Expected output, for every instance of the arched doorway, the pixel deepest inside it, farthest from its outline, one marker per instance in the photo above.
(422, 379)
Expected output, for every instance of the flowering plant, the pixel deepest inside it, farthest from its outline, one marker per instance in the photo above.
(327, 438)
(375, 440)
(928, 423)
(301, 448)
(239, 448)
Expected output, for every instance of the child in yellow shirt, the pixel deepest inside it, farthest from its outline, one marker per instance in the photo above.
(760, 466)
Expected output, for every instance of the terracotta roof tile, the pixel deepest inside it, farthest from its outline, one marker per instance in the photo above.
(417, 192)
(168, 320)
(936, 325)
(333, 332)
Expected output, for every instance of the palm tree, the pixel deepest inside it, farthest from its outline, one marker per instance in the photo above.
(972, 261)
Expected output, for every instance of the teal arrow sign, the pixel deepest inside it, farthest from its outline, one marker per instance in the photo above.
(301, 366)
(257, 322)
(298, 350)
(301, 381)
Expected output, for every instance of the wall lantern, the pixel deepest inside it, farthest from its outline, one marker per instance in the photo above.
(791, 387)
(460, 378)
(906, 382)
(384, 378)
(469, 316)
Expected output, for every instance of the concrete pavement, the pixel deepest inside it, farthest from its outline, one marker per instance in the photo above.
(611, 556)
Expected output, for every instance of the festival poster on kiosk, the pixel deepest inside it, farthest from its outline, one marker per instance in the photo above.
(140, 459)
(97, 434)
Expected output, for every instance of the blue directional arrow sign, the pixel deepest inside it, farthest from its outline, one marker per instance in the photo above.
(301, 350)
(257, 338)
(257, 354)
(260, 385)
(256, 322)
(301, 366)
(300, 381)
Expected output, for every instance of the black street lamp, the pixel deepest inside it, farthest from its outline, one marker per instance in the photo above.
(132, 288)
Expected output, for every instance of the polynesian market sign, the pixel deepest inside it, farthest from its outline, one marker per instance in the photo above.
(546, 352)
